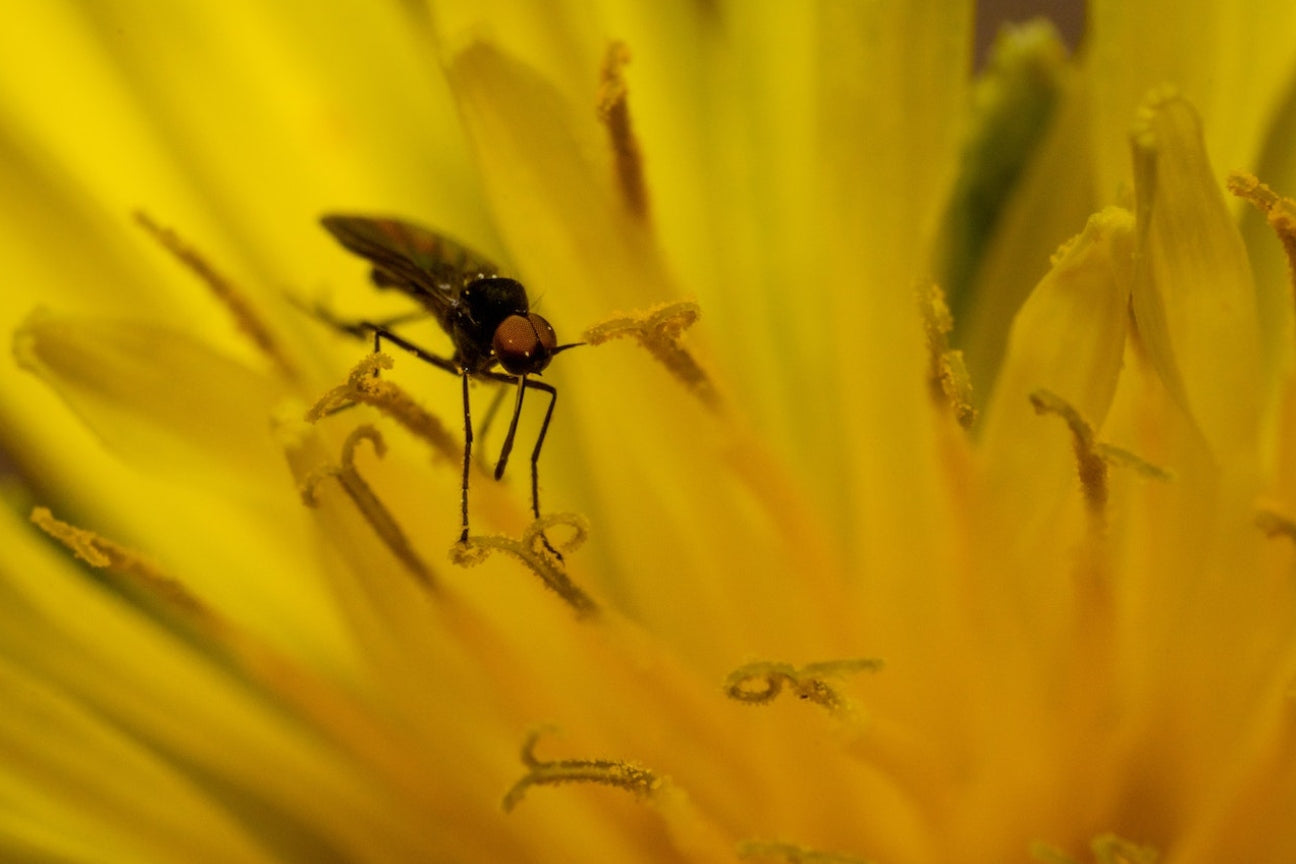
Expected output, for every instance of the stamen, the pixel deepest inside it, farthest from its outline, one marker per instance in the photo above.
(104, 554)
(1275, 524)
(947, 373)
(639, 781)
(1280, 211)
(1046, 854)
(1106, 849)
(532, 549)
(658, 329)
(1119, 457)
(1092, 469)
(299, 689)
(1092, 457)
(793, 854)
(761, 682)
(369, 505)
(245, 316)
(614, 112)
(365, 387)
(1110, 849)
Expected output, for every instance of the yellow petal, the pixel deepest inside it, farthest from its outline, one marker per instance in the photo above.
(1194, 301)
(1231, 60)
(143, 91)
(1068, 339)
(556, 208)
(1053, 195)
(1271, 266)
(1014, 102)
(63, 629)
(160, 399)
(59, 795)
(885, 149)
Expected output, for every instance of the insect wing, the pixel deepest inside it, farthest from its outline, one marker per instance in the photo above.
(405, 256)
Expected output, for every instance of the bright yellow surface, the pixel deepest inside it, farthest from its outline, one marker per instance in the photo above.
(1062, 634)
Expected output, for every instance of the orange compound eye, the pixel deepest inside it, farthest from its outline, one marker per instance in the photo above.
(524, 344)
(545, 333)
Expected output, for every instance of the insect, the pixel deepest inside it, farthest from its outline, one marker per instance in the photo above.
(496, 336)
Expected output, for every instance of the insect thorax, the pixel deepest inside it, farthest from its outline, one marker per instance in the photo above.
(483, 305)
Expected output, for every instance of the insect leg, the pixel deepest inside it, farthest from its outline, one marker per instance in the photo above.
(491, 412)
(467, 456)
(380, 332)
(358, 329)
(535, 454)
(403, 318)
(508, 439)
(524, 383)
(527, 384)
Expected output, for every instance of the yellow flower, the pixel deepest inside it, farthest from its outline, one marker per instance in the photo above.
(1026, 567)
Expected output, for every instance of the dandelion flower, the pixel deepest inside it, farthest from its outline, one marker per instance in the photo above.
(923, 488)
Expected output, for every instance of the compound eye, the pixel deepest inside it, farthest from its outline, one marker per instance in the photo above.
(545, 333)
(522, 347)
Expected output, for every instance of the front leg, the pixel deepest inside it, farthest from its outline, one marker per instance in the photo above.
(380, 333)
(523, 384)
(467, 459)
(544, 430)
(380, 330)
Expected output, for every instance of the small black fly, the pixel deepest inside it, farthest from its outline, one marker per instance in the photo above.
(487, 317)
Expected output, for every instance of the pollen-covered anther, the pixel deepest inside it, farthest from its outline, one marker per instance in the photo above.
(241, 309)
(659, 330)
(765, 850)
(614, 112)
(367, 502)
(608, 772)
(535, 550)
(947, 373)
(1278, 210)
(761, 682)
(364, 387)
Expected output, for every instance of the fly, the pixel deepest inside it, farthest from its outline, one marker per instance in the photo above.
(496, 336)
